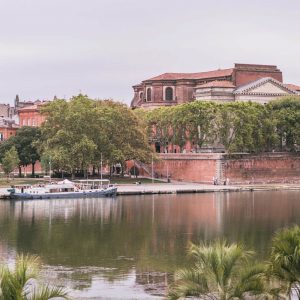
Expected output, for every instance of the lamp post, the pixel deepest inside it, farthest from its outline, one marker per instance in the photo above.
(50, 169)
(152, 170)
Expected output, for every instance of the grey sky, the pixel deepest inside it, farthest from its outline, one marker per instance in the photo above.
(103, 47)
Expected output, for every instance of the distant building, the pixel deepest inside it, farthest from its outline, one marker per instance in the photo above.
(8, 128)
(244, 82)
(31, 115)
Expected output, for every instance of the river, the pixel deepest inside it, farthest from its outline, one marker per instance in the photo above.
(128, 247)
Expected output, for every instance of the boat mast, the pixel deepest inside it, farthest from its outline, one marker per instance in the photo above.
(101, 169)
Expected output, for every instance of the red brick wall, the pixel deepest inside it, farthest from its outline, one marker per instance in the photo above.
(30, 118)
(157, 92)
(273, 167)
(239, 169)
(7, 132)
(194, 167)
(243, 77)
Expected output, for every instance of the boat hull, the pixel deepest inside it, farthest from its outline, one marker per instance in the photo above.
(110, 192)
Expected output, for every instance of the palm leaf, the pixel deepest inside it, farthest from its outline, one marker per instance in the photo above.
(46, 292)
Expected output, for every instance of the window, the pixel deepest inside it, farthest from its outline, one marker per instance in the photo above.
(149, 94)
(141, 95)
(169, 94)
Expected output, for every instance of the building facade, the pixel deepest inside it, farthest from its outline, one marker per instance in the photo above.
(8, 128)
(243, 82)
(31, 115)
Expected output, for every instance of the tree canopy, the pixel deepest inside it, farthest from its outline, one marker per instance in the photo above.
(78, 132)
(235, 126)
(10, 160)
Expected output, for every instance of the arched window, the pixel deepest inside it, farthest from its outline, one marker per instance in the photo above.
(141, 95)
(169, 94)
(149, 94)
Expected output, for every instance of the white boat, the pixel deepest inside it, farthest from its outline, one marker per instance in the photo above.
(65, 189)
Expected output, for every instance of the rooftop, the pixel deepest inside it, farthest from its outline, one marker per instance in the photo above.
(200, 75)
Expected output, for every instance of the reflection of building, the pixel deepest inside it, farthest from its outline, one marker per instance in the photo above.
(244, 82)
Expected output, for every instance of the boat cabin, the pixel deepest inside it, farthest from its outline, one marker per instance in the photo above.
(92, 184)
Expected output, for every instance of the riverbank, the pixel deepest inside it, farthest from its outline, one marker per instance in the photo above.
(145, 186)
(181, 188)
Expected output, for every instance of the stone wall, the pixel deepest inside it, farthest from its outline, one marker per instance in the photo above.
(267, 168)
(193, 167)
(237, 168)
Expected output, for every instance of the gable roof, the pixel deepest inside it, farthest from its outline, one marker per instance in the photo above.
(217, 83)
(249, 88)
(200, 75)
(293, 87)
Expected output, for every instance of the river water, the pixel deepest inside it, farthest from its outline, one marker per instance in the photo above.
(128, 247)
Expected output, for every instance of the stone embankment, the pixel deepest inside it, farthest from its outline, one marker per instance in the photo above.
(180, 188)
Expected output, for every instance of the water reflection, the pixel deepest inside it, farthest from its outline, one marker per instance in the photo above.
(134, 243)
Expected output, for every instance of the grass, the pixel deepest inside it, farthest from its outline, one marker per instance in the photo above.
(30, 181)
(19, 181)
(127, 180)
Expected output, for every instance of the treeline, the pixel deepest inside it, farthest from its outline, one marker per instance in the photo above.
(236, 126)
(78, 133)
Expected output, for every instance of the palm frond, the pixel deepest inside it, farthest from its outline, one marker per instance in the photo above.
(46, 292)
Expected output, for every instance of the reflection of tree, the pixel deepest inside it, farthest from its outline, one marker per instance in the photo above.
(145, 233)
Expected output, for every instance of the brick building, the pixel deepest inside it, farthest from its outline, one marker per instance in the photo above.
(8, 128)
(31, 115)
(243, 82)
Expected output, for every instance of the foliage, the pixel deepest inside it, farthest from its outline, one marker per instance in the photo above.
(286, 113)
(284, 263)
(77, 133)
(219, 271)
(10, 160)
(18, 284)
(25, 142)
(237, 126)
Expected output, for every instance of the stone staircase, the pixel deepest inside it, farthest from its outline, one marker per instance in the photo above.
(144, 167)
(219, 174)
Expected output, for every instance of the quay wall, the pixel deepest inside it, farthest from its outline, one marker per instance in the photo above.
(236, 168)
(266, 168)
(192, 167)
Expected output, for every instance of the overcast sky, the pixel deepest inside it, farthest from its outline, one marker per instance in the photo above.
(103, 47)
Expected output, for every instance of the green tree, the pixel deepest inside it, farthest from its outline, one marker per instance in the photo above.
(219, 271)
(284, 263)
(25, 142)
(77, 133)
(17, 284)
(200, 120)
(10, 161)
(286, 113)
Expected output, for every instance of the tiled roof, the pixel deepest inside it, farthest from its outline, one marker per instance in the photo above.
(30, 107)
(33, 107)
(201, 75)
(8, 123)
(217, 83)
(292, 87)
